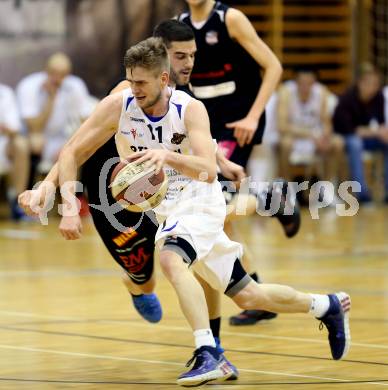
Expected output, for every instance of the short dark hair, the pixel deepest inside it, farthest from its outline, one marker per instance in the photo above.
(173, 31)
(150, 54)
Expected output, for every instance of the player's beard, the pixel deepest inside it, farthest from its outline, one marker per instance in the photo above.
(179, 80)
(153, 101)
(174, 79)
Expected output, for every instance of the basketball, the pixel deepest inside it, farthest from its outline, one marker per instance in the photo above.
(136, 187)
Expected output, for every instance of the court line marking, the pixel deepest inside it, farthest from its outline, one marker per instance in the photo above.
(161, 344)
(21, 234)
(259, 336)
(218, 384)
(109, 357)
(183, 329)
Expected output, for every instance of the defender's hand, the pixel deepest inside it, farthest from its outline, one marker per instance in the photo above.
(71, 227)
(244, 130)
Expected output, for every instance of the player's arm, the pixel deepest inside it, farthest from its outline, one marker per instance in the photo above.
(201, 142)
(202, 164)
(32, 201)
(229, 169)
(241, 29)
(93, 133)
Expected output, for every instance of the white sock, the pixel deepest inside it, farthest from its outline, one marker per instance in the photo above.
(319, 305)
(204, 337)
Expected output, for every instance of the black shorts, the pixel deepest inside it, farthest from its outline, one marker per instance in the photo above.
(132, 249)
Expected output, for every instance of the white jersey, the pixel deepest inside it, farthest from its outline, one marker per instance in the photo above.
(305, 114)
(138, 131)
(192, 209)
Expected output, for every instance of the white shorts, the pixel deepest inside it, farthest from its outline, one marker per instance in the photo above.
(198, 217)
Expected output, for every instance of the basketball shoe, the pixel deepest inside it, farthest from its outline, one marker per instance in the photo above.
(336, 321)
(148, 306)
(250, 317)
(288, 213)
(233, 368)
(209, 365)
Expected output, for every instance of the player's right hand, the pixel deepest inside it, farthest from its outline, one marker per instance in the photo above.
(34, 201)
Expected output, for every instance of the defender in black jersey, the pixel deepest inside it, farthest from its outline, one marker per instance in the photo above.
(227, 78)
(227, 75)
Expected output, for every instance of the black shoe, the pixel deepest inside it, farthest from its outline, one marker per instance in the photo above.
(289, 210)
(250, 317)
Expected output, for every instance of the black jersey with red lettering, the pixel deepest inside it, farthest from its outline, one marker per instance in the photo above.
(225, 77)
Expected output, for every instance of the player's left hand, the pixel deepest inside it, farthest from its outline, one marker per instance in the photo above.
(71, 227)
(231, 170)
(152, 157)
(244, 130)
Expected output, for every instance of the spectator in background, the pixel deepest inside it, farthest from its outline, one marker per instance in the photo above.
(360, 118)
(52, 104)
(14, 152)
(304, 121)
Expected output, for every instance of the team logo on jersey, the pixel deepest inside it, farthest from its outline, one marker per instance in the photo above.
(136, 260)
(125, 237)
(134, 133)
(211, 37)
(177, 138)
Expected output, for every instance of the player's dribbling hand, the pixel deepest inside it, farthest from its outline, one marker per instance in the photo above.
(71, 227)
(152, 157)
(33, 202)
(244, 130)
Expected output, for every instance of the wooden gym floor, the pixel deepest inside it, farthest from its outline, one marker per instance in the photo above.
(67, 322)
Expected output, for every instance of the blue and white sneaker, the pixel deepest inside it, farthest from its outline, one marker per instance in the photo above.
(336, 321)
(206, 368)
(148, 306)
(232, 367)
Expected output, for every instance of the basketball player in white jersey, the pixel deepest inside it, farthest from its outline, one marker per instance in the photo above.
(187, 238)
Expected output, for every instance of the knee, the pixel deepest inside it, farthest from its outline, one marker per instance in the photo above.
(250, 298)
(171, 265)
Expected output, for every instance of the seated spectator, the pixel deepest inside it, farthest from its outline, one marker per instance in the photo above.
(360, 118)
(52, 104)
(262, 163)
(14, 151)
(304, 122)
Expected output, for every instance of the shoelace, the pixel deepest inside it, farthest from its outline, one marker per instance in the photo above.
(196, 353)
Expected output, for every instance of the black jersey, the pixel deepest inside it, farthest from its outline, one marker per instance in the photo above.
(225, 77)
